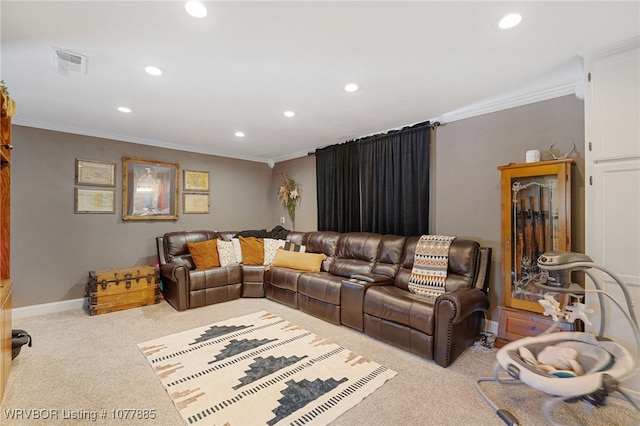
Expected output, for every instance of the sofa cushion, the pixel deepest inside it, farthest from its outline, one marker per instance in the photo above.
(216, 277)
(226, 254)
(300, 261)
(175, 243)
(396, 305)
(283, 278)
(355, 254)
(322, 242)
(389, 255)
(464, 258)
(321, 286)
(204, 254)
(252, 250)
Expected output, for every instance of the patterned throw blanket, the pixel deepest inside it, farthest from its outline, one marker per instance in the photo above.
(430, 265)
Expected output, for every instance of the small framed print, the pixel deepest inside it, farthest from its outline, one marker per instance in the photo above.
(196, 181)
(195, 203)
(95, 173)
(94, 200)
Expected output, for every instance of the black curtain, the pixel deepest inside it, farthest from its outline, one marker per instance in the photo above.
(339, 194)
(390, 175)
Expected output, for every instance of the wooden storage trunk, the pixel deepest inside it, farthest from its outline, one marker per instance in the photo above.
(112, 290)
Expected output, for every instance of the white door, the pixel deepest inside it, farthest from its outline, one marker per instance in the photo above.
(612, 187)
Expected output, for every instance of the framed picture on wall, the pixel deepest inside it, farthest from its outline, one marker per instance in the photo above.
(95, 173)
(94, 200)
(149, 190)
(195, 203)
(196, 181)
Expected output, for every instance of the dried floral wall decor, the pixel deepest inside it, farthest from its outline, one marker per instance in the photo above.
(290, 195)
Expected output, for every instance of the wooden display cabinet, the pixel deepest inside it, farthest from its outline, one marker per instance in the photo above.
(536, 218)
(5, 246)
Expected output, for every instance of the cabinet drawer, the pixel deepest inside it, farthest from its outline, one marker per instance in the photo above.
(516, 324)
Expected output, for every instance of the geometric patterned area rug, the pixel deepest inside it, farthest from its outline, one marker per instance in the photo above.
(260, 369)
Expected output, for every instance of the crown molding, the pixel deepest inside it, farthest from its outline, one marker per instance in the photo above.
(503, 103)
(622, 46)
(493, 105)
(140, 141)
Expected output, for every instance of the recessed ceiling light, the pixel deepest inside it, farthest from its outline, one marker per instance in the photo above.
(196, 9)
(289, 114)
(124, 109)
(239, 134)
(153, 70)
(509, 21)
(351, 87)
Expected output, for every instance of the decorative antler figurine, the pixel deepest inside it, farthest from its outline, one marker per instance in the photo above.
(578, 311)
(561, 156)
(551, 307)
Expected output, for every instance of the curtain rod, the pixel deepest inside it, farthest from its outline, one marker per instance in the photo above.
(433, 126)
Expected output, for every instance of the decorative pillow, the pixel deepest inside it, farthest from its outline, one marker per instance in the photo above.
(226, 254)
(289, 246)
(270, 248)
(252, 250)
(237, 249)
(204, 254)
(302, 261)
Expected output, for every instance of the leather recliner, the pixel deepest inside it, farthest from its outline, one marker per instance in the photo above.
(440, 328)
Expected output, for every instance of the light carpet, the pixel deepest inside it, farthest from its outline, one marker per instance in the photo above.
(260, 369)
(81, 363)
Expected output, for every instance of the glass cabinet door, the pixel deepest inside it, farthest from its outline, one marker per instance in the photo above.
(536, 218)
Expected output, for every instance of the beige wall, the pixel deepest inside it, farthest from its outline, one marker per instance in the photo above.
(466, 185)
(53, 249)
(465, 192)
(303, 170)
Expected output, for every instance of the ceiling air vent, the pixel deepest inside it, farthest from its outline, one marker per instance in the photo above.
(67, 62)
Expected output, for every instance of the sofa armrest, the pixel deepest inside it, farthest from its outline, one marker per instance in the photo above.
(372, 278)
(175, 285)
(456, 305)
(459, 315)
(352, 293)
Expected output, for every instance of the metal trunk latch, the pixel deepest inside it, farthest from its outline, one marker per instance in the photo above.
(128, 277)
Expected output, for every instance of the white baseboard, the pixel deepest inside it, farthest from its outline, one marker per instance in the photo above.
(48, 308)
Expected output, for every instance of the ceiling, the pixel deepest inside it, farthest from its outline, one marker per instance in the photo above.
(245, 63)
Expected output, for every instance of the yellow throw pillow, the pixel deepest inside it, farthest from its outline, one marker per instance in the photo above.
(204, 254)
(302, 261)
(252, 250)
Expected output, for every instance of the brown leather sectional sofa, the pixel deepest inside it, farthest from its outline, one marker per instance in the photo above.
(363, 284)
